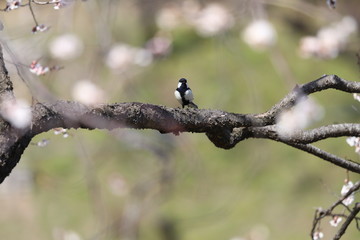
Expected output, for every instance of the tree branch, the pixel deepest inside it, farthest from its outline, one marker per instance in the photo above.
(6, 87)
(222, 128)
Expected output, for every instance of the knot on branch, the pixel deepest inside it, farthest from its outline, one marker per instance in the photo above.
(227, 138)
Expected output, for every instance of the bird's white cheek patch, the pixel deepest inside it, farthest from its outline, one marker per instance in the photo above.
(189, 95)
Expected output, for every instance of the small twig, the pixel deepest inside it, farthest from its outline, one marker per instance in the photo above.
(45, 3)
(349, 219)
(33, 14)
(341, 162)
(320, 214)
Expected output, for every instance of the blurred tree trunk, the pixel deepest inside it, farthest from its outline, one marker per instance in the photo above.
(148, 10)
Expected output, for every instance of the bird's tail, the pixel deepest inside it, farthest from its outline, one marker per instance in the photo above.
(192, 105)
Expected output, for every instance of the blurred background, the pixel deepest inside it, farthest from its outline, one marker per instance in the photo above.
(238, 56)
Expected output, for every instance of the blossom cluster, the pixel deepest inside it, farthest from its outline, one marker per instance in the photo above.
(210, 20)
(329, 41)
(15, 4)
(12, 4)
(344, 190)
(39, 70)
(355, 141)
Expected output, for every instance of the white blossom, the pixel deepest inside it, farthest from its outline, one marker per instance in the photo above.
(66, 47)
(38, 69)
(329, 41)
(354, 142)
(12, 4)
(88, 93)
(17, 113)
(356, 96)
(305, 112)
(318, 235)
(259, 34)
(62, 131)
(309, 46)
(43, 143)
(212, 20)
(160, 45)
(40, 28)
(58, 131)
(344, 190)
(168, 17)
(122, 56)
(60, 3)
(142, 57)
(335, 221)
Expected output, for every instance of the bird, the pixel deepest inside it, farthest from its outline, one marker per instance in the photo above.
(184, 94)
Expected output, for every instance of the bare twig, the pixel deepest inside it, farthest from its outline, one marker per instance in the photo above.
(33, 14)
(321, 213)
(349, 219)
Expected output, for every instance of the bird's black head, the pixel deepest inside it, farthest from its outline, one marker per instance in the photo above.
(182, 80)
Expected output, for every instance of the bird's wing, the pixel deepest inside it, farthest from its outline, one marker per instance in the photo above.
(178, 96)
(189, 95)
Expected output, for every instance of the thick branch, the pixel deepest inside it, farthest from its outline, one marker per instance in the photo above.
(6, 88)
(224, 129)
(134, 115)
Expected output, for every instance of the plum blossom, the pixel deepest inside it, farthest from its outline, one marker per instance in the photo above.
(344, 190)
(38, 69)
(212, 20)
(169, 17)
(329, 41)
(12, 4)
(356, 97)
(63, 131)
(160, 45)
(66, 47)
(122, 56)
(40, 28)
(318, 235)
(305, 112)
(43, 143)
(335, 221)
(260, 34)
(60, 3)
(16, 112)
(88, 93)
(354, 142)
